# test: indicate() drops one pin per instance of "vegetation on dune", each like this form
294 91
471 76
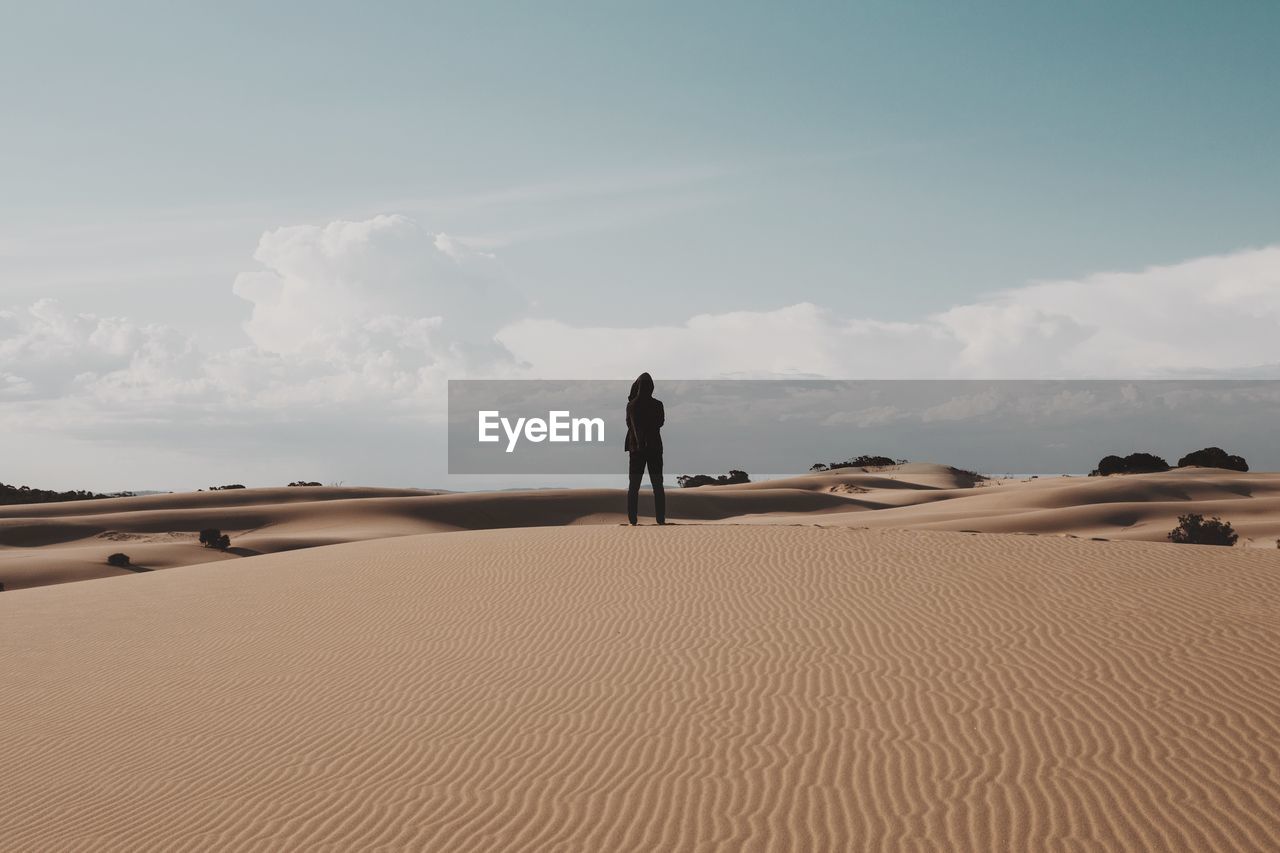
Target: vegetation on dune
1193 529
212 537
863 461
304 483
27 495
120 561
689 481
869 461
1134 463
1149 463
225 488
1213 457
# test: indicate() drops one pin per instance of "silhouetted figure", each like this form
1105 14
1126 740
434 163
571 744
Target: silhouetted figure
645 417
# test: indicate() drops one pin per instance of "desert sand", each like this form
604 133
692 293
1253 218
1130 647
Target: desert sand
59 542
823 663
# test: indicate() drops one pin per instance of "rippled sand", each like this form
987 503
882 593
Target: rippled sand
695 687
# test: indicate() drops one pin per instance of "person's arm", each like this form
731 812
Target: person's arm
662 414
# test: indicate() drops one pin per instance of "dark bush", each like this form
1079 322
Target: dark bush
866 461
1109 465
27 495
1214 457
863 461
303 483
120 561
1145 463
224 488
689 481
971 476
1192 529
1134 463
212 537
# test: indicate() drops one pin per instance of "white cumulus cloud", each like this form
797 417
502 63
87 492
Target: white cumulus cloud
369 319
1213 316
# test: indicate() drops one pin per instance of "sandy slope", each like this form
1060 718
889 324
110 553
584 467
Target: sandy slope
695 687
53 543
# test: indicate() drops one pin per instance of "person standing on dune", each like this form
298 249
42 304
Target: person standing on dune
645 417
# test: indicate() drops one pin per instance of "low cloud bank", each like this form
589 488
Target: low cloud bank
376 315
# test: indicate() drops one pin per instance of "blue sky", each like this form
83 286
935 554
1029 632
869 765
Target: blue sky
628 165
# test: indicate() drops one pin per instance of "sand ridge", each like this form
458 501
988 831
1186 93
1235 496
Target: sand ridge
55 543
695 687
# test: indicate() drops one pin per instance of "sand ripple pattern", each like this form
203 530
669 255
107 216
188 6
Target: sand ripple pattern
688 688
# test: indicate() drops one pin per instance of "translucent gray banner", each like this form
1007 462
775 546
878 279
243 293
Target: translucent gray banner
774 427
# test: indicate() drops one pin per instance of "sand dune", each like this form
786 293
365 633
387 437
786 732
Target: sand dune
54 548
1135 507
690 688
55 543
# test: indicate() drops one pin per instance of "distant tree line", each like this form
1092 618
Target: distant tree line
864 461
690 481
1149 463
27 495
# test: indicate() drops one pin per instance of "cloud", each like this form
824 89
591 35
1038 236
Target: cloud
802 340
863 418
352 322
346 286
378 313
1210 315
1213 316
50 352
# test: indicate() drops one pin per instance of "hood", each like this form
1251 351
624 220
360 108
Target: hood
642 387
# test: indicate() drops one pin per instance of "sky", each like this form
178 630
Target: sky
251 242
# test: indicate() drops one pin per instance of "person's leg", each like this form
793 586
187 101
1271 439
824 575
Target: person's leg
635 473
659 494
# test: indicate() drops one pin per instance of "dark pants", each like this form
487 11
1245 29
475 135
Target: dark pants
653 460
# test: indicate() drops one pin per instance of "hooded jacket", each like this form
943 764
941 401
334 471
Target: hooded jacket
645 417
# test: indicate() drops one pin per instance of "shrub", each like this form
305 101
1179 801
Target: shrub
224 488
1134 463
27 495
1108 465
120 561
866 461
1214 457
303 483
212 537
863 461
1192 529
1145 463
689 481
